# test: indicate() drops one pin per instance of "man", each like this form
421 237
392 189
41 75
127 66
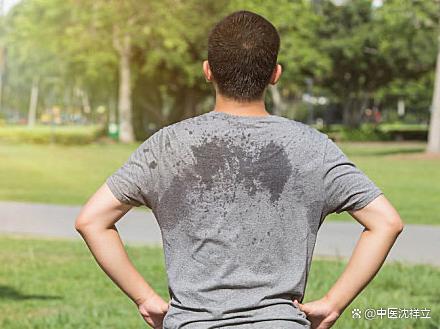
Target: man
239 195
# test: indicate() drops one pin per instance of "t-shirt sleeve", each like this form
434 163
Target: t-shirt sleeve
346 187
135 181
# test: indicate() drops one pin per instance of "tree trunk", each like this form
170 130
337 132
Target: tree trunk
2 73
85 102
434 126
353 109
189 109
32 114
348 115
126 132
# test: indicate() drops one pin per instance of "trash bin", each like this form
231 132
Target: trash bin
113 131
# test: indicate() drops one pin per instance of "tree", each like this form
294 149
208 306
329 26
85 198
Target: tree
122 23
300 55
370 47
170 86
434 126
143 58
33 53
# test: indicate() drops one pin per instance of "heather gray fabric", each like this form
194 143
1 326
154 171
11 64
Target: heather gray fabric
239 201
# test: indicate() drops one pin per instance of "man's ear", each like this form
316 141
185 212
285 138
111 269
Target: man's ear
207 71
276 74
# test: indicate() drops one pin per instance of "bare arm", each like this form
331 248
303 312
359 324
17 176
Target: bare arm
96 224
382 226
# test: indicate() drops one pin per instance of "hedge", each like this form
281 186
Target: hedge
381 132
42 134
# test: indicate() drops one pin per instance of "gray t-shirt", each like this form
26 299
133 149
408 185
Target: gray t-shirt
239 201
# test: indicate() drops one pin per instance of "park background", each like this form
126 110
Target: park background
83 82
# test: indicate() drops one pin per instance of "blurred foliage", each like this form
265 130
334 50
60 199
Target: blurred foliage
377 132
374 51
357 55
366 132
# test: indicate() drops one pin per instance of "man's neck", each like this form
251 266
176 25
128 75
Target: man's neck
255 108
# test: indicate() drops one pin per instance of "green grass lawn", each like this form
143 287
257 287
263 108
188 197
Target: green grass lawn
70 174
60 174
410 180
54 283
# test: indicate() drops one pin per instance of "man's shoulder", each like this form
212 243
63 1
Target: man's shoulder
172 131
306 131
185 123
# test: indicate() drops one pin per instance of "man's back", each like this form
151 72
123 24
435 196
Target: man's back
239 196
239 201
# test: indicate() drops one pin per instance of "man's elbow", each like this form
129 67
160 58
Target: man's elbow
393 224
82 223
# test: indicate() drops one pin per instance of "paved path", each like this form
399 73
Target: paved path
416 244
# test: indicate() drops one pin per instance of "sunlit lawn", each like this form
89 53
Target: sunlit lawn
410 180
70 174
54 284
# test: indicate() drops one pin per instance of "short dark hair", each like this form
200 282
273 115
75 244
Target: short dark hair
242 54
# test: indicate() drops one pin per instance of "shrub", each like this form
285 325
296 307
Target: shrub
399 131
66 135
381 132
365 132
